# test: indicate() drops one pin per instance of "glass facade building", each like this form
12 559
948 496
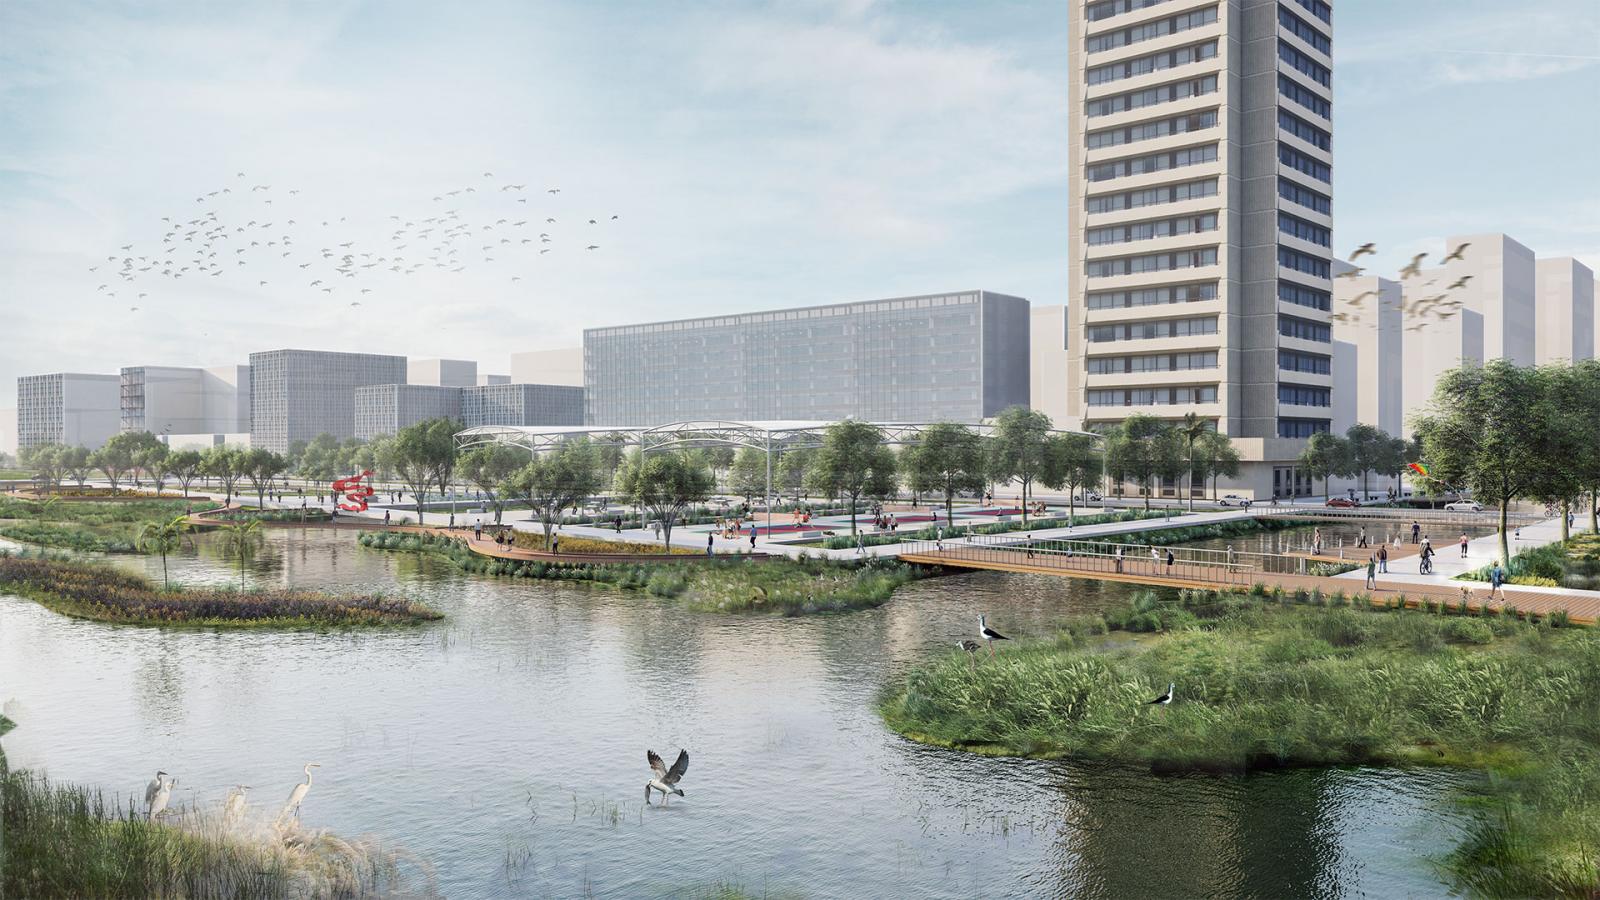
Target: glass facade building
959 357
296 395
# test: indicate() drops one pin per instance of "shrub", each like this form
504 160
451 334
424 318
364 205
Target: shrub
1468 631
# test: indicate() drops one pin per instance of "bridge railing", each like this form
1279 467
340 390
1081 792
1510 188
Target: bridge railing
1487 518
1220 567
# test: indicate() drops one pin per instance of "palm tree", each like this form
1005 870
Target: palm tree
1193 428
163 538
242 539
42 508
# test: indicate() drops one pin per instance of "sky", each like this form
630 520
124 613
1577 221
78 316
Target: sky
754 156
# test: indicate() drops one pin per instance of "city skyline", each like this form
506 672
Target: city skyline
717 199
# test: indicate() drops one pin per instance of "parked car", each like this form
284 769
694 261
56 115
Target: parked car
1464 506
1233 500
1342 503
1093 497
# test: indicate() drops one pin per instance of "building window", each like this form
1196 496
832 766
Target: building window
1160 396
1167 193
1304 196
1155 262
1144 231
1304 64
1155 162
1297 395
1146 331
1300 295
1155 62
1304 96
1305 231
1304 164
1182 293
1304 130
1301 262
1319 9
1304 329
1301 428
1143 131
1164 93
1158 362
1122 37
1309 363
1304 30
1109 8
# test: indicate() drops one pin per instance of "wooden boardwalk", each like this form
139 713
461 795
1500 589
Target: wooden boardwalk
1141 569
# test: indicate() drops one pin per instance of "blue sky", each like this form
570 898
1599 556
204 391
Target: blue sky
756 156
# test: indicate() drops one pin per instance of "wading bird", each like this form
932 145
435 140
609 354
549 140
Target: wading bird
158 793
972 652
233 809
988 634
298 794
665 780
1164 699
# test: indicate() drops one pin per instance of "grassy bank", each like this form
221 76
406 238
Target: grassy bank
535 541
102 593
776 586
87 526
1574 563
1264 682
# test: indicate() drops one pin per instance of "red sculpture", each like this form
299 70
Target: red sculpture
356 490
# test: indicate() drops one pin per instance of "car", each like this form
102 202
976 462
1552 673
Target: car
1464 506
1092 497
1233 500
1342 503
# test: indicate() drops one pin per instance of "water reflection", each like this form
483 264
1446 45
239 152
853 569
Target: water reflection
506 745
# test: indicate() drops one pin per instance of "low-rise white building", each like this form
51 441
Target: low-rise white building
1047 363
1368 377
1564 297
185 399
442 372
563 366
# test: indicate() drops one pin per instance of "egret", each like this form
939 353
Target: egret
665 780
298 794
233 809
158 793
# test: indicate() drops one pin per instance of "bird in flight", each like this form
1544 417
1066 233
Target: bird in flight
665 780
1414 267
553 191
355 303
1366 249
1457 252
592 247
1353 273
1460 282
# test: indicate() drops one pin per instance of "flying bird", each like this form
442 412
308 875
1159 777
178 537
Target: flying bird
592 247
1457 252
553 191
665 780
1366 249
1414 267
1460 282
988 634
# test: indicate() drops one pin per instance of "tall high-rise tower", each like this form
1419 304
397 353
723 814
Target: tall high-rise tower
1201 221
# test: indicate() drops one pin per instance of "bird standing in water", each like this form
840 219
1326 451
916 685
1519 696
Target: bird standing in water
298 794
157 793
665 780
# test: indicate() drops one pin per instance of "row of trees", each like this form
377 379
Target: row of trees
1508 432
1142 449
139 456
1359 452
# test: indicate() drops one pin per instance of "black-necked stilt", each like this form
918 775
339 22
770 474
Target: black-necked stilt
1164 699
988 634
665 780
972 652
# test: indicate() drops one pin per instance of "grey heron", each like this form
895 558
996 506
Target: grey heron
665 780
157 793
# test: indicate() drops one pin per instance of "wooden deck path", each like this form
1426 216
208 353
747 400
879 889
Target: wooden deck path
1138 569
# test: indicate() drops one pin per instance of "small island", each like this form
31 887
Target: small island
104 594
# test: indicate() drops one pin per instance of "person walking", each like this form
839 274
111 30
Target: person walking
656 527
1171 558
1416 531
477 531
1463 545
710 537
619 524
1316 542
752 537
1232 556
1372 572
1497 580
1361 539
555 543
1119 559
1383 559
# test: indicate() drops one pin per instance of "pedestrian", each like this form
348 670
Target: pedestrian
1383 559
1232 556
752 536
452 521
555 543
1497 578
1316 542
1416 531
386 518
861 544
1029 545
477 531
1171 558
1361 539
1372 572
1463 545
1155 558
656 527
619 524
1119 559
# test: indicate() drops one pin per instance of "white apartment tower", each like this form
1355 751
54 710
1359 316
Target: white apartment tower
1201 224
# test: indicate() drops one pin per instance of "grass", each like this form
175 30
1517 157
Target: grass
92 591
66 538
1574 563
1265 682
86 526
531 541
731 584
61 840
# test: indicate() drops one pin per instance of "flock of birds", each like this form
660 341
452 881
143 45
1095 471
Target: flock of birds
158 795
1437 306
242 235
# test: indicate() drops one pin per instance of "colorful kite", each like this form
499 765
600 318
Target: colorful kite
1420 469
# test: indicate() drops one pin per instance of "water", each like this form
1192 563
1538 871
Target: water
505 746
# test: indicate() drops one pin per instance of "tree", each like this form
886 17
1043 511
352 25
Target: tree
664 483
184 465
442 457
116 457
1326 455
1018 448
241 539
1566 439
747 475
1582 389
852 463
790 472
947 460
144 447
163 538
260 466
410 456
319 460
1119 452
1369 446
151 459
47 462
1486 432
223 463
1139 453
1072 462
487 468
557 479
1219 457
76 462
720 459
1193 428
1171 453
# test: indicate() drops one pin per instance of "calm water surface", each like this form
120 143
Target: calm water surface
505 746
